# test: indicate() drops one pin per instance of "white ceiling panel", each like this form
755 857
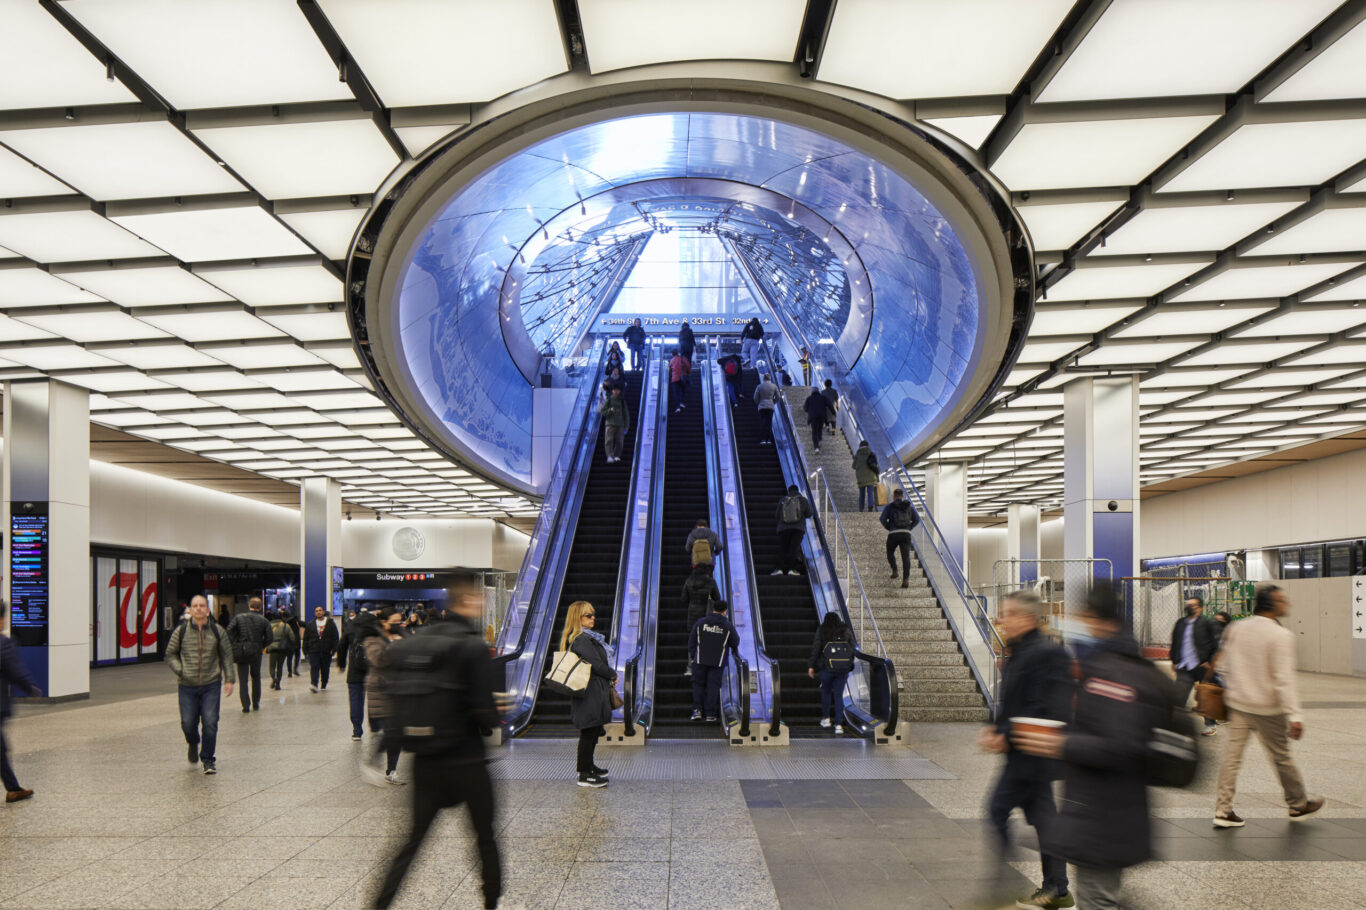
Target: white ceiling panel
1334 230
57 357
1255 353
1344 352
275 285
971 130
421 52
1306 321
300 160
216 53
330 231
1290 379
43 66
1335 72
305 380
1095 280
259 354
1192 378
1299 153
210 325
18 178
69 237
25 287
1093 153
1079 318
867 45
1155 48
123 160
1352 289
1261 280
1174 319
1192 228
160 356
622 33
145 286
17 330
113 382
1121 353
104 325
417 139
1057 227
242 232
205 380
311 326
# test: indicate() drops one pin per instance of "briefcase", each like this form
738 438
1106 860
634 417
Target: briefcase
1209 701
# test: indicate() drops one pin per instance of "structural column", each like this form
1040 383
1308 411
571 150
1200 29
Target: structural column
47 532
1022 543
946 493
1100 478
320 543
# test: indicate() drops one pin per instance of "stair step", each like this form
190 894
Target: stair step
951 659
919 699
946 715
911 622
918 648
913 635
911 688
910 671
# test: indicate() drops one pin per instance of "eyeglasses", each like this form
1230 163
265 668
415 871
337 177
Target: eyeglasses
589 615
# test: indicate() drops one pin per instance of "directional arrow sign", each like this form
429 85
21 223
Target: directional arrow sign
1356 611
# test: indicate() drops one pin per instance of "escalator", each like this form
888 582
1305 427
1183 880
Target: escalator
787 607
592 569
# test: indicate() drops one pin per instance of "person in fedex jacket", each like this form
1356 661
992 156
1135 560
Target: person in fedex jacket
712 638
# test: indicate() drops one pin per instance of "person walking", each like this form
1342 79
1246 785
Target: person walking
699 592
457 771
13 674
615 359
1193 643
615 416
292 661
375 649
686 345
899 518
634 336
817 416
283 642
832 658
766 397
703 555
320 643
832 399
1036 683
711 640
1257 662
733 373
793 511
750 339
250 636
868 475
351 658
200 656
679 368
1103 825
590 709
804 362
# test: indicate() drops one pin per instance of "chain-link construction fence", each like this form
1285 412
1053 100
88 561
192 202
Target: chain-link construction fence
1051 579
1155 602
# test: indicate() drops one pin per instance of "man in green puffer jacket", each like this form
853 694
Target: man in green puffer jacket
200 656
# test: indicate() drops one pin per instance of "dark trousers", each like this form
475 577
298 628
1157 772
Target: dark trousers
869 493
251 667
733 389
277 667
293 662
900 541
6 771
199 708
439 783
832 694
675 395
1185 681
766 424
817 429
588 742
637 355
706 689
1035 797
391 751
319 667
790 550
356 693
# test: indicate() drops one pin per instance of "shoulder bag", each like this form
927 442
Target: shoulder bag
569 674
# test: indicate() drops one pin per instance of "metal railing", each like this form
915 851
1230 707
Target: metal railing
843 555
639 671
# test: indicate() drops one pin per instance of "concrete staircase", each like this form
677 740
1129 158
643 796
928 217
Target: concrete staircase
936 683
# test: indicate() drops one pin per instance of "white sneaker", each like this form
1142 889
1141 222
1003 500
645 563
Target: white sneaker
393 778
776 572
371 775
839 729
825 721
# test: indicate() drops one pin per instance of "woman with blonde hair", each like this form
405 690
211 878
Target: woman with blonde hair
591 708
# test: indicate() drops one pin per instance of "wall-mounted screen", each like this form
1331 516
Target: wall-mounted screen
28 574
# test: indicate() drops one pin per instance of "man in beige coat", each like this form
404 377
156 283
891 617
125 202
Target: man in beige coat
1257 660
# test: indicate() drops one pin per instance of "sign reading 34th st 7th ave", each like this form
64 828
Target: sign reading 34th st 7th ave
1357 608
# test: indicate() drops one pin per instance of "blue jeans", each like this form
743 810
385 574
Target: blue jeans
869 492
637 355
832 694
733 389
356 691
6 771
199 705
706 689
1035 796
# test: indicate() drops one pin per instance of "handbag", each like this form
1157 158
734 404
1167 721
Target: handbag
616 699
569 674
1209 701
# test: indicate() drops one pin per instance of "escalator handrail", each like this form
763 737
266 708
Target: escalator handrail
760 648
827 498
893 688
649 584
716 510
623 555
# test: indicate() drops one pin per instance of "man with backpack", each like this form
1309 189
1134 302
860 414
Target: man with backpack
793 511
250 636
703 545
710 642
699 591
733 373
351 658
283 642
199 655
831 661
868 474
818 414
635 343
750 339
1122 704
766 397
440 686
900 518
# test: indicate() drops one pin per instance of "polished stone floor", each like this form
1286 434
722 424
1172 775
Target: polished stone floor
120 821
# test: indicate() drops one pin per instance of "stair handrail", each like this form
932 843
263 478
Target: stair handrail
853 581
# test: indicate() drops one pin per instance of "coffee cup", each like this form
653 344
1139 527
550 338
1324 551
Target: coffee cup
1036 725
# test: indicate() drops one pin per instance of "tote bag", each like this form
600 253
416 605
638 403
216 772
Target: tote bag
569 674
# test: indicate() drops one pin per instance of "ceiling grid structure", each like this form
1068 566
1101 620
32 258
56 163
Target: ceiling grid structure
180 184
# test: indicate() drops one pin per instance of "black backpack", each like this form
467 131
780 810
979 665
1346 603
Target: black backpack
792 509
871 462
422 682
355 657
839 655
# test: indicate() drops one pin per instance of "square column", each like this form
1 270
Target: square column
47 532
946 493
319 544
1100 477
1022 543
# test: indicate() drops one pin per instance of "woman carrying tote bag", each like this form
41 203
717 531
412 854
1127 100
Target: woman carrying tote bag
592 708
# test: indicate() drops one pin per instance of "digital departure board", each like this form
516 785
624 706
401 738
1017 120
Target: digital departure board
28 574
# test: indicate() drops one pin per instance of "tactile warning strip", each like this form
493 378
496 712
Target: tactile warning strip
544 759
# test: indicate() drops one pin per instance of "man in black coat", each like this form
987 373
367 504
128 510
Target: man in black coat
1036 684
635 342
320 643
12 673
818 414
1194 641
250 635
1103 826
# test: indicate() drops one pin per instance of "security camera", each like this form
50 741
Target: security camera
1112 506
27 507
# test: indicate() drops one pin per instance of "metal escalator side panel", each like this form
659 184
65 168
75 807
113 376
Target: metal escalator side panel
648 644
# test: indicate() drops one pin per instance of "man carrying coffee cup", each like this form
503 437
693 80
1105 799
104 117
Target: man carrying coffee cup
1036 687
